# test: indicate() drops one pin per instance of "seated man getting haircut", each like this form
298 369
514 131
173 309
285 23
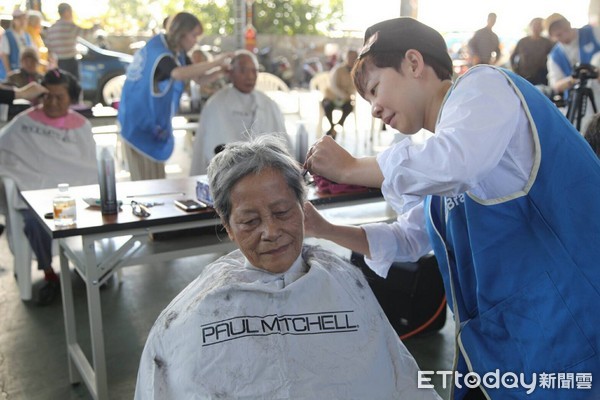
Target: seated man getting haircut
235 112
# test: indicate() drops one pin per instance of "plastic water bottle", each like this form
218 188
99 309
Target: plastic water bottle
106 180
65 210
195 97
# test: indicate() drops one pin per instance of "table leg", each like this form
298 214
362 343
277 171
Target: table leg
69 313
95 314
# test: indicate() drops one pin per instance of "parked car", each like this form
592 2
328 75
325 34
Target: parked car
101 72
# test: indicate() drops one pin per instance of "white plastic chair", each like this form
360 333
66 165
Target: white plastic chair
17 242
267 82
274 87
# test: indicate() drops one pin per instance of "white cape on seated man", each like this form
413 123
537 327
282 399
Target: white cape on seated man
235 113
276 319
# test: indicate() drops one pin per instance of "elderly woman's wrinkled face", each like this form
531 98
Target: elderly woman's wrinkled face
267 221
57 101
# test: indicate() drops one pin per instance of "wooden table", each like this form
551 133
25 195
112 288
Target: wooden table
99 245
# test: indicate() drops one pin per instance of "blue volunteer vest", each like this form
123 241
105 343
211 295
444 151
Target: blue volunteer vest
15 52
145 113
522 273
588 46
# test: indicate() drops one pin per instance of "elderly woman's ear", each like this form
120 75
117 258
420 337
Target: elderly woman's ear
314 223
228 230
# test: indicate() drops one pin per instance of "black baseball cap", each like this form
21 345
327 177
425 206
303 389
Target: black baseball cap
405 33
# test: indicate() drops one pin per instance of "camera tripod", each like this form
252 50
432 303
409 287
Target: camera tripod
578 100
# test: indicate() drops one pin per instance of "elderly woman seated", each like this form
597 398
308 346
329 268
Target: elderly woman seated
276 318
41 147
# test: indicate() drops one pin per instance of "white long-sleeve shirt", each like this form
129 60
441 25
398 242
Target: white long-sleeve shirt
483 144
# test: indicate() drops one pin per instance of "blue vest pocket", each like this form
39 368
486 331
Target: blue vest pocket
536 331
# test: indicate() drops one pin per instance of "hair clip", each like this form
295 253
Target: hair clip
367 46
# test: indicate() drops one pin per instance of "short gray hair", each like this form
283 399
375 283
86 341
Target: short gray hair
241 53
239 159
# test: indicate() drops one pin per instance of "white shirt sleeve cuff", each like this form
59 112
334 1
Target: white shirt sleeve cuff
388 160
382 246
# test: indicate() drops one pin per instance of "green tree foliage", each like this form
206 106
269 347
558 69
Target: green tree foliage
293 17
217 16
284 17
128 16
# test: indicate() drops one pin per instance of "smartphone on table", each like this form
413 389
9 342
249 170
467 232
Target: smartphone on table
190 204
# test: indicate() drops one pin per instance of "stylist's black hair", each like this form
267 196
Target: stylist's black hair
387 42
61 77
592 134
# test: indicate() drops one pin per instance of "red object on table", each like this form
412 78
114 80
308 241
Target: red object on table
324 185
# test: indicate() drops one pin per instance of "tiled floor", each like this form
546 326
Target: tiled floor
33 355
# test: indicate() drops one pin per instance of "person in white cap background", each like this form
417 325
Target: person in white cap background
34 28
505 193
13 41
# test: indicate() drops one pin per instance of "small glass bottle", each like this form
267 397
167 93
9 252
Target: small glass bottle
65 211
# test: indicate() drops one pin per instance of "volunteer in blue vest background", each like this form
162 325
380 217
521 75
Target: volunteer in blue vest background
572 46
12 42
151 94
506 194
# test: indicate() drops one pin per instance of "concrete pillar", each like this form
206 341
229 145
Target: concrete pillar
594 12
239 27
409 8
